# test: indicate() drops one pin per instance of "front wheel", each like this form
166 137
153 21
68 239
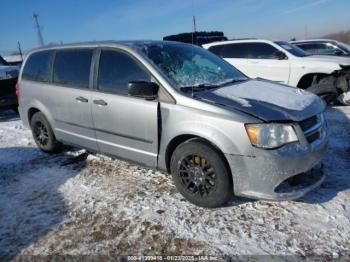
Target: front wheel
344 98
329 98
200 174
327 92
43 134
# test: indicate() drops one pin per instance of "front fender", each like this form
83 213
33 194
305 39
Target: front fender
299 70
227 134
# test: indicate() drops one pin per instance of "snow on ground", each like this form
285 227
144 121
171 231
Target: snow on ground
109 207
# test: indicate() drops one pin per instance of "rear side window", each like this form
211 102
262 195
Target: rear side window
116 70
37 67
72 67
246 50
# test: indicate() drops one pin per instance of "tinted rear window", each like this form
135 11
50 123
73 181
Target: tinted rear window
72 67
216 49
245 50
37 67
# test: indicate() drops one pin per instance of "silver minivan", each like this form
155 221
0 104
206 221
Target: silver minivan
178 108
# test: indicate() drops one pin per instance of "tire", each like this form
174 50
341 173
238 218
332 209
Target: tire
200 174
344 98
326 92
43 134
329 98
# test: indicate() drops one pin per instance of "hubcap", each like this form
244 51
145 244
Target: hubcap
41 134
197 175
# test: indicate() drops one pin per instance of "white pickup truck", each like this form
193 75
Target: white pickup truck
280 61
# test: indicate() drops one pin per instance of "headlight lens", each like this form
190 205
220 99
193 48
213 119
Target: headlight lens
270 135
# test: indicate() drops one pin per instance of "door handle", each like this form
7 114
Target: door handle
100 102
82 99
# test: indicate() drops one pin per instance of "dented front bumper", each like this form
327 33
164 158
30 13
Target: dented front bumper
286 173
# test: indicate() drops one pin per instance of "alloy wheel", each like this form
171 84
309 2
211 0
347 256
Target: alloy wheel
197 175
41 134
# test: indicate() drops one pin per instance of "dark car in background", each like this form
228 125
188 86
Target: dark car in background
323 47
8 80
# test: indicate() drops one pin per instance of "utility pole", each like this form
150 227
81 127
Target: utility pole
194 29
194 24
38 28
20 49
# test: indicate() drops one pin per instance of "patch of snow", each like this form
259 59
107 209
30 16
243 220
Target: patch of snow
267 92
105 207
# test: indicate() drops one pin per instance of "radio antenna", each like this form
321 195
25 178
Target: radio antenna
193 35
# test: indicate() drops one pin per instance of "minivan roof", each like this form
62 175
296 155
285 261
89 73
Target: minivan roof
124 43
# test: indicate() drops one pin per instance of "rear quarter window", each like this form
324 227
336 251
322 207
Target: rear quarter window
37 67
216 49
72 67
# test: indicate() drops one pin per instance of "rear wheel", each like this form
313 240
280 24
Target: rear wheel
200 174
43 134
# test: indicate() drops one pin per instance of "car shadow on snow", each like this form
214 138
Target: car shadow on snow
31 202
336 161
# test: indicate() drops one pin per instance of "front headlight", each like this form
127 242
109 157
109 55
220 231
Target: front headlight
270 135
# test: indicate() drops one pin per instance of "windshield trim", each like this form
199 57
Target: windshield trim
3 62
293 47
140 49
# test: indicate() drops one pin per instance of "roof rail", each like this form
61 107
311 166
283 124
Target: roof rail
247 38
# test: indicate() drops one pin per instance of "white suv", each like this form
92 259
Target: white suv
326 76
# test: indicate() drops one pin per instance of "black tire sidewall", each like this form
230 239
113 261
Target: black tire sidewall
52 145
224 188
329 93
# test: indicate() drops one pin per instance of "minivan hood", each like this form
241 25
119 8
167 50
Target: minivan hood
265 100
342 60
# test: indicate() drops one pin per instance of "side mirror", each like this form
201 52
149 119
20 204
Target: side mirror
338 52
280 55
148 90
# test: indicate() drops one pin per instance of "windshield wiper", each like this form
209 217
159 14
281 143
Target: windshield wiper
199 87
202 87
233 81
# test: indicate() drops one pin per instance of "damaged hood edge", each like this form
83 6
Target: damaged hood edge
265 100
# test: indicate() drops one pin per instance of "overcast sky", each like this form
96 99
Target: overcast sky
85 20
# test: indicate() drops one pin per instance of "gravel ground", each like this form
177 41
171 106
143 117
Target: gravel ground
100 206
